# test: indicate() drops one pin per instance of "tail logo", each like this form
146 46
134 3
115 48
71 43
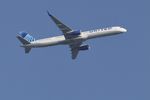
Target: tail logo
27 36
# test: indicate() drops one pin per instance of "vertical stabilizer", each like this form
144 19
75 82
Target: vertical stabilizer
25 39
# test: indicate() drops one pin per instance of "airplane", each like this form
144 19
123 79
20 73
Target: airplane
73 38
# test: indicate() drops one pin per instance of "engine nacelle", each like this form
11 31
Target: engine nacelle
75 33
84 47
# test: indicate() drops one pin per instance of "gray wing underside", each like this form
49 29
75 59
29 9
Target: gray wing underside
74 49
64 28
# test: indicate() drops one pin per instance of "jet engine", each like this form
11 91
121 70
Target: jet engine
75 33
84 47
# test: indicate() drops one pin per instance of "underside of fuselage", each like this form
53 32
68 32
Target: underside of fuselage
59 40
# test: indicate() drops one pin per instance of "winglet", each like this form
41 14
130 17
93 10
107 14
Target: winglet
52 17
49 13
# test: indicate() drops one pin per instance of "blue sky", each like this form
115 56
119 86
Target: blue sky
116 67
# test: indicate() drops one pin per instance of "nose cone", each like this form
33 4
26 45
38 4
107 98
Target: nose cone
124 30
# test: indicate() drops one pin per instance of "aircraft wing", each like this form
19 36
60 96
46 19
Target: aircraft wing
74 49
65 29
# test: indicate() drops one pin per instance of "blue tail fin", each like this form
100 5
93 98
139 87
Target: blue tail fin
26 37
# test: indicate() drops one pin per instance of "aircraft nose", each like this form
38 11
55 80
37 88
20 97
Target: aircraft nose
124 30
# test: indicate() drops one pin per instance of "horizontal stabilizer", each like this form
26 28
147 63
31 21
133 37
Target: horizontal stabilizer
27 49
22 40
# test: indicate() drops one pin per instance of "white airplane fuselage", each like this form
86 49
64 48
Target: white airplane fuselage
60 40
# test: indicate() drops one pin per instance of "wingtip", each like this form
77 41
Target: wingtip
48 13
